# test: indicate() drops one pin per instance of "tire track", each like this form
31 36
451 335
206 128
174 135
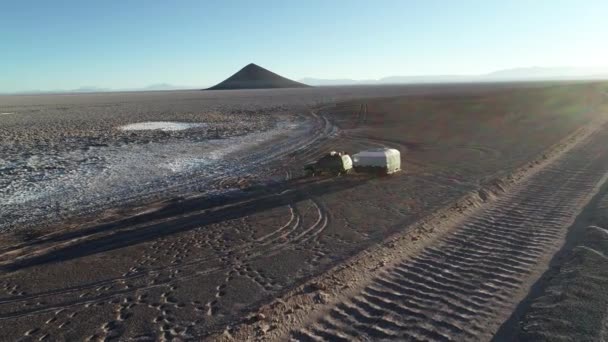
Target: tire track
315 128
322 128
462 288
236 260
290 234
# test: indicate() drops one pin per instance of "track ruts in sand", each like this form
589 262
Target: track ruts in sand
131 288
465 285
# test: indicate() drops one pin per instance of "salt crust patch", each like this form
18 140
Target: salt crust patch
165 126
97 175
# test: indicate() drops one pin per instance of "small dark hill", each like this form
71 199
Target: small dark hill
255 77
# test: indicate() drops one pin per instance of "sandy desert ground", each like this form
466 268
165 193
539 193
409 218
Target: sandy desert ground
211 232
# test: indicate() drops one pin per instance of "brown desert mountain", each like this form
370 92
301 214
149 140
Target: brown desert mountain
254 76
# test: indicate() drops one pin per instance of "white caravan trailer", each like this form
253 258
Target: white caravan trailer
385 160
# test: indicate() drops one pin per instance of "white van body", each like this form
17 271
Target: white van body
388 159
348 163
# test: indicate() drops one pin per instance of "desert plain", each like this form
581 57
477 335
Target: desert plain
185 215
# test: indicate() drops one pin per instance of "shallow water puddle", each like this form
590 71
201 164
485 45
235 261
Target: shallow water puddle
160 125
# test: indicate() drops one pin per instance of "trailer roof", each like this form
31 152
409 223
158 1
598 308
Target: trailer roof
378 152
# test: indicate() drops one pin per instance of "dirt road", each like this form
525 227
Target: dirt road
466 286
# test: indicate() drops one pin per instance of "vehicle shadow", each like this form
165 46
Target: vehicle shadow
183 216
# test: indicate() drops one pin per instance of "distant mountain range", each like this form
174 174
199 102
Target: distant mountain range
165 86
93 89
517 74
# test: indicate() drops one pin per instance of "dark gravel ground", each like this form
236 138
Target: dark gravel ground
188 266
64 155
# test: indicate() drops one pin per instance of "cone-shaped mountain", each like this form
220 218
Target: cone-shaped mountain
254 76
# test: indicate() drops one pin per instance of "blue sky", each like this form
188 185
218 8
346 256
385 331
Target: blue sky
128 43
